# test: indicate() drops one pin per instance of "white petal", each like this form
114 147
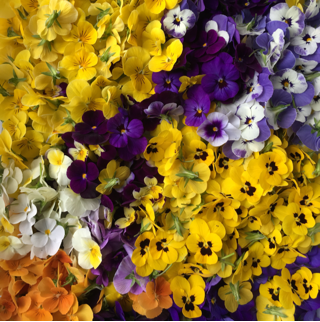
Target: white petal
57 233
39 239
45 224
211 25
52 246
84 260
251 132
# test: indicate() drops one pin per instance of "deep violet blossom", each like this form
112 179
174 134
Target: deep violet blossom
221 76
167 81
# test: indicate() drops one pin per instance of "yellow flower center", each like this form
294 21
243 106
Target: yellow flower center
250 121
94 127
123 131
84 176
204 45
177 19
215 129
25 209
47 232
168 81
199 111
309 39
286 84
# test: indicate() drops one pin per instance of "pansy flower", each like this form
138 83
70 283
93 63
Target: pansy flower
93 129
307 42
293 17
250 114
220 79
290 81
207 45
127 136
196 106
188 294
217 129
167 81
177 22
82 177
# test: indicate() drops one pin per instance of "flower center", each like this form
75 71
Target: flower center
177 19
25 209
168 81
94 127
286 84
47 232
84 176
204 45
215 129
123 131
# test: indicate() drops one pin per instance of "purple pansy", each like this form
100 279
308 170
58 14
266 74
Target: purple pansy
220 79
196 106
82 178
127 136
217 130
167 81
127 280
93 130
207 45
167 111
246 62
177 22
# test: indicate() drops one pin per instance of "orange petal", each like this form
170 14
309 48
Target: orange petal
45 287
51 304
5 278
65 303
151 314
24 303
38 314
165 302
162 286
147 302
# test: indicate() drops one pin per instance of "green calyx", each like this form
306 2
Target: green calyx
52 19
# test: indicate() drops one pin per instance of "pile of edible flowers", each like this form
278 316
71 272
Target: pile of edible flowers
159 160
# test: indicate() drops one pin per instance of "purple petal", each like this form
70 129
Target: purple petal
118 140
78 185
92 171
76 170
134 129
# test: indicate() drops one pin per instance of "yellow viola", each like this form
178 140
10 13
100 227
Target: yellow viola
171 52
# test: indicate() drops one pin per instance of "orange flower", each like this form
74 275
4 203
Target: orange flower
55 263
28 269
36 312
76 313
156 298
56 298
7 307
5 278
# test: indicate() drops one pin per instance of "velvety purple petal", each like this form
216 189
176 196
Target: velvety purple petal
90 192
227 151
110 152
159 77
76 170
281 97
92 171
154 108
118 140
306 97
103 127
115 122
137 146
287 117
214 48
308 138
125 154
134 129
264 131
106 201
287 61
266 84
83 128
78 185
93 118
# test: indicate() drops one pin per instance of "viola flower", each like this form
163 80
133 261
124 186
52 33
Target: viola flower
113 177
11 246
205 241
89 251
127 280
126 136
207 45
250 114
188 294
156 298
290 81
217 129
259 88
93 130
81 177
168 111
56 298
295 220
167 81
220 79
176 22
48 238
307 42
293 17
234 295
246 62
79 152
196 106
58 167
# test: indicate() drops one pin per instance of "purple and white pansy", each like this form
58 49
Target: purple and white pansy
177 22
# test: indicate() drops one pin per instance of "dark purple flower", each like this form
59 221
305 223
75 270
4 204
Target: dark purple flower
126 136
207 45
93 130
82 176
220 79
167 81
246 62
196 106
